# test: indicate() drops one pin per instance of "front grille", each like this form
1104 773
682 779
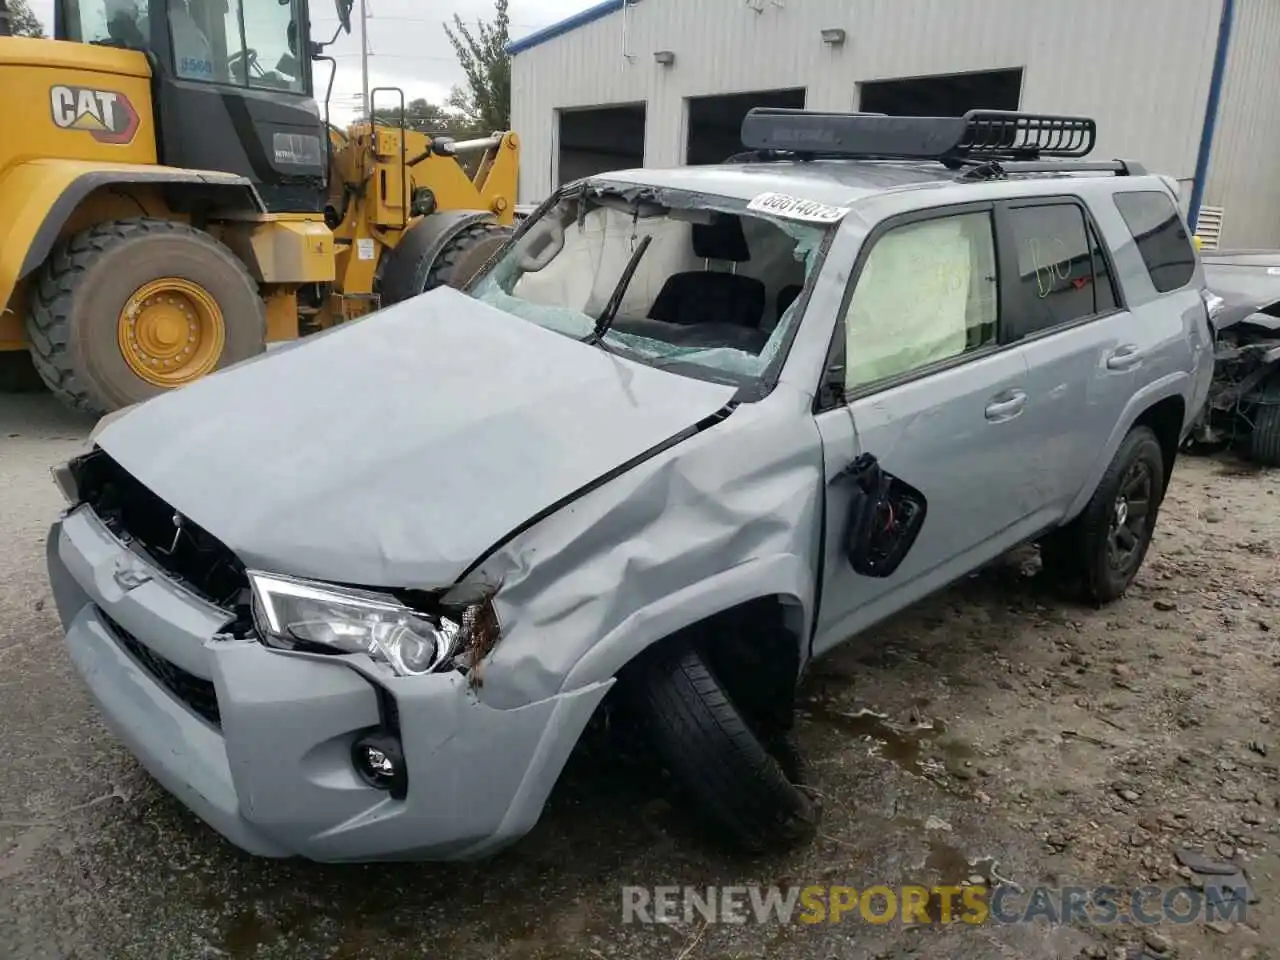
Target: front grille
196 692
136 515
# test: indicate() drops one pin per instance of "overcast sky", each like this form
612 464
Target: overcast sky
409 47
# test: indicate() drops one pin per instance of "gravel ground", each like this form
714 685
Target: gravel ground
992 734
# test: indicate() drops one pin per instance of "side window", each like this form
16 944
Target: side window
927 292
1162 240
118 22
271 34
1056 253
242 42
194 35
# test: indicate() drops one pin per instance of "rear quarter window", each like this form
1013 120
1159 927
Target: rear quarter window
1162 239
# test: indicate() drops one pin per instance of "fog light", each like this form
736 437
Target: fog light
379 759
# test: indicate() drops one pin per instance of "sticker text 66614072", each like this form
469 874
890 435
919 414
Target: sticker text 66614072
796 208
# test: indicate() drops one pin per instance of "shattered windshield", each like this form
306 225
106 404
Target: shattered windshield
713 292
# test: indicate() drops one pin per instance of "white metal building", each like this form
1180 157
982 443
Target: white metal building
1190 88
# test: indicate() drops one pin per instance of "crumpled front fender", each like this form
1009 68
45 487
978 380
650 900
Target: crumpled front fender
728 515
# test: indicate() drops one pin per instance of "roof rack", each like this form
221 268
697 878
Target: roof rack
985 143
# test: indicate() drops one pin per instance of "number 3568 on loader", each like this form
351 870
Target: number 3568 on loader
172 198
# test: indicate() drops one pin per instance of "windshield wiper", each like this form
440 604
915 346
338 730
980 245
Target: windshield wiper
611 307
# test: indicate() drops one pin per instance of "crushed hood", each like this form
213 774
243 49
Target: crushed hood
1249 282
393 451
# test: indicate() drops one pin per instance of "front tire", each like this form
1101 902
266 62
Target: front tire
131 308
1100 552
1264 444
743 789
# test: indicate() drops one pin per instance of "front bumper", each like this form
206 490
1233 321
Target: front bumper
257 742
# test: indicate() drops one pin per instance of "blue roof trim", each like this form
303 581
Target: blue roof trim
590 15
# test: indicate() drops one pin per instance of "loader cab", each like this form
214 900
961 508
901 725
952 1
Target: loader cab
232 86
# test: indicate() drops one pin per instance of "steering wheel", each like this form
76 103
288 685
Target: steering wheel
249 58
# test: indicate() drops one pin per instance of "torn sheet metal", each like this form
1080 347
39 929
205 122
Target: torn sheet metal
608 502
1246 323
693 530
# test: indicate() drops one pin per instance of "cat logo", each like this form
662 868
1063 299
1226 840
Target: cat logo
105 115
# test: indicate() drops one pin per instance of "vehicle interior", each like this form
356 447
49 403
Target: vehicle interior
708 279
242 42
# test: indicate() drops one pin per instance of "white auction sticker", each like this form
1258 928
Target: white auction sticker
796 208
364 249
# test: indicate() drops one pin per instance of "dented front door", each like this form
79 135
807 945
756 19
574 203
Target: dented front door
919 380
948 437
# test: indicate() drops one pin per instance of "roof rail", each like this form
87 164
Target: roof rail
977 137
995 170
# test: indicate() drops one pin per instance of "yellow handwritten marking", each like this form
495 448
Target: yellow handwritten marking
1048 271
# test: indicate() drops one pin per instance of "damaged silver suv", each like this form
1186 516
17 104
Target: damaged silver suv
359 598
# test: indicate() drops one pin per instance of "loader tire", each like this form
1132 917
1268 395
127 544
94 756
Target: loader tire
18 373
740 787
1264 444
464 255
110 307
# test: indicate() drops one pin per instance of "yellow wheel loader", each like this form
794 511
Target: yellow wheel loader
172 198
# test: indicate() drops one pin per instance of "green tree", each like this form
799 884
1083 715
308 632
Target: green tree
421 114
486 99
22 22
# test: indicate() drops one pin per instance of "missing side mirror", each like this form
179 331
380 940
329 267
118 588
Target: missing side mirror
885 518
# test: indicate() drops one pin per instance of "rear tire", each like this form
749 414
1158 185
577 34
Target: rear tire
1100 552
1264 444
81 292
706 743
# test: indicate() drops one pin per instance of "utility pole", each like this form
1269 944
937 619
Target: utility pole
364 60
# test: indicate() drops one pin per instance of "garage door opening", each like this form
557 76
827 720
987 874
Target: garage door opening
599 139
948 95
715 123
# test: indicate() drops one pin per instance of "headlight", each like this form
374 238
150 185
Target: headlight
290 612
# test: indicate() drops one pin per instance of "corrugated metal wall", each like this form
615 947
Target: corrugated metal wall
1141 67
1244 168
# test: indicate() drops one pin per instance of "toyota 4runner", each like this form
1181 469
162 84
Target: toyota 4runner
688 430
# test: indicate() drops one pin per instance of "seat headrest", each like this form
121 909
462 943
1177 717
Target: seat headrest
721 239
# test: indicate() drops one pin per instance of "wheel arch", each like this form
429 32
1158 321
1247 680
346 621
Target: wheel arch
772 594
45 195
1162 406
1165 417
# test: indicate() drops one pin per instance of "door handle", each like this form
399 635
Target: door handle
1006 406
1124 358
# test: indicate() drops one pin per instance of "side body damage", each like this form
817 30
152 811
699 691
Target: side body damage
662 547
1243 408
